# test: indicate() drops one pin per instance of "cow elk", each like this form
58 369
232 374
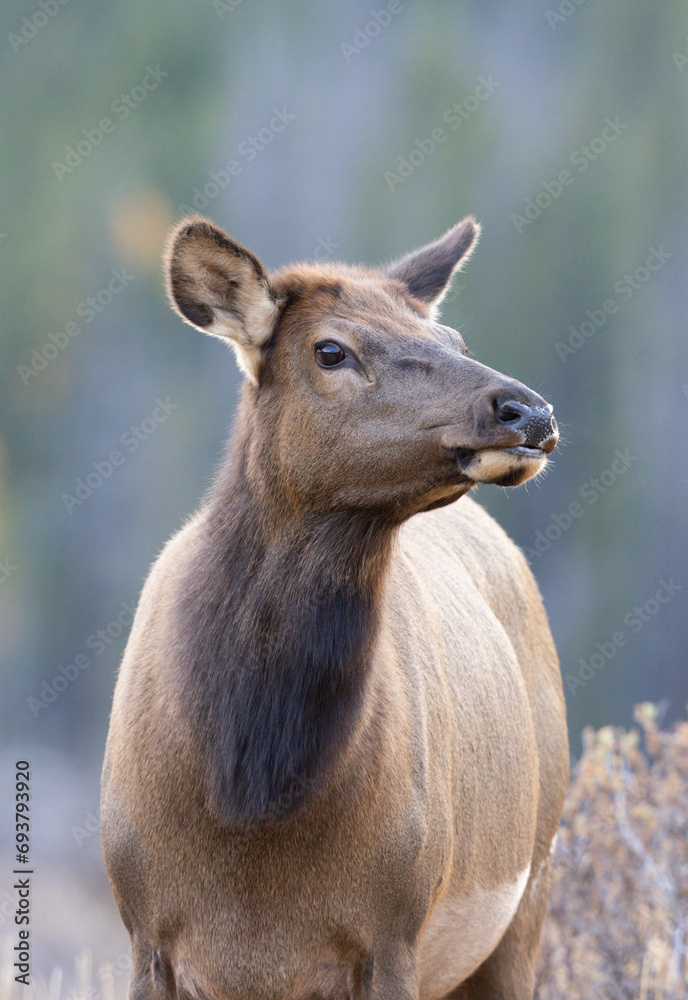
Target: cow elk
337 756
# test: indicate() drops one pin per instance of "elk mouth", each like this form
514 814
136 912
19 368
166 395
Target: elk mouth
527 450
516 449
503 466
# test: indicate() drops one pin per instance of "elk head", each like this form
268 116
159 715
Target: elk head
356 396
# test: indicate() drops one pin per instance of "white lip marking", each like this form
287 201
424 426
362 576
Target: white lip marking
494 463
463 931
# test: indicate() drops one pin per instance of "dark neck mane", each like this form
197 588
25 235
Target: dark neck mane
277 617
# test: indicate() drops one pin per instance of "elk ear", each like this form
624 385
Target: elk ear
218 286
427 272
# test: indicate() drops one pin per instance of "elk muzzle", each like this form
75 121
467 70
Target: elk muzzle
536 423
518 431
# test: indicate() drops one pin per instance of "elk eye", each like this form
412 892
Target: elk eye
328 354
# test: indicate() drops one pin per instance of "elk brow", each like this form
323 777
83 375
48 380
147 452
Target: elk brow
423 363
450 338
434 352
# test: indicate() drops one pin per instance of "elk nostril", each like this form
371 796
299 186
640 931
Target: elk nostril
511 412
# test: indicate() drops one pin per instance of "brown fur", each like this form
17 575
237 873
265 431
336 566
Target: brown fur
337 755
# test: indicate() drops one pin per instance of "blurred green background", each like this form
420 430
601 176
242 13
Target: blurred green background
356 132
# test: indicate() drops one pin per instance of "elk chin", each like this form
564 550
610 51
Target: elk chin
501 466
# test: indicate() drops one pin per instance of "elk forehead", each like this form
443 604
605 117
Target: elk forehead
436 344
356 293
374 315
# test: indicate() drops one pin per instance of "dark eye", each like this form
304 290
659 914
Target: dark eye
328 354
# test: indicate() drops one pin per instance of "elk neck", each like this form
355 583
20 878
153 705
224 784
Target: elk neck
277 618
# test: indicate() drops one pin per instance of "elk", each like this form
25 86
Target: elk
337 755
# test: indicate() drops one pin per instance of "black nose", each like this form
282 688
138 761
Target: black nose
536 423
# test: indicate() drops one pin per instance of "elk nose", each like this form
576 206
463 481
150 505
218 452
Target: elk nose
536 423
